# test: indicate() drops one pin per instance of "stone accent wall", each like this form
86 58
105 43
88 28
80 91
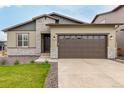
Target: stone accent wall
21 52
111 53
54 53
41 28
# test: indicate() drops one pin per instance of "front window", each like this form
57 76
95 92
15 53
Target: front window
22 40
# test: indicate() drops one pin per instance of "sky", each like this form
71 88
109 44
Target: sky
11 15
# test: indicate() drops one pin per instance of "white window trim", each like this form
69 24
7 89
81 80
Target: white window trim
23 34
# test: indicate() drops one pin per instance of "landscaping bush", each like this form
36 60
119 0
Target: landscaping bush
16 62
46 61
32 61
3 62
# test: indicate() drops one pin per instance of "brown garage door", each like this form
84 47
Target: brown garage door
82 46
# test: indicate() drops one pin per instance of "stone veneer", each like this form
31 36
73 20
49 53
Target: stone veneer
112 53
54 53
21 52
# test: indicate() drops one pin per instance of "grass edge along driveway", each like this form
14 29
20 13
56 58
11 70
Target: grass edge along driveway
23 75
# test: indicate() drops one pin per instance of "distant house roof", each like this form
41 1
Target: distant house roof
115 9
44 15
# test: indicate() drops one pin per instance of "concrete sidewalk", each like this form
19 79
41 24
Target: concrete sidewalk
86 73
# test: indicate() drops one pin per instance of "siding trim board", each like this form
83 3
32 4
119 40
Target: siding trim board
23 30
82 33
20 47
23 56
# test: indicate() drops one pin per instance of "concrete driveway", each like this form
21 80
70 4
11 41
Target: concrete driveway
76 73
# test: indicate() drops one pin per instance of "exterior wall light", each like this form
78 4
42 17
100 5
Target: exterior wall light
111 37
54 37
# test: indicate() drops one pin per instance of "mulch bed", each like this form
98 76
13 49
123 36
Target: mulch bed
22 60
52 78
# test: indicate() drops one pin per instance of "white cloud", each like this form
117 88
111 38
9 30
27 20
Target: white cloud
3 6
3 36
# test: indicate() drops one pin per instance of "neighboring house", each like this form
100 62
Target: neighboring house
61 37
114 16
2 45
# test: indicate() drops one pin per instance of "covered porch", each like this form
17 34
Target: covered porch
45 49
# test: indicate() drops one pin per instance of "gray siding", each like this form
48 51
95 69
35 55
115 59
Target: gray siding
27 27
120 40
114 17
100 19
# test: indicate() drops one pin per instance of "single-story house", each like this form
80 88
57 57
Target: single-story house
61 37
113 17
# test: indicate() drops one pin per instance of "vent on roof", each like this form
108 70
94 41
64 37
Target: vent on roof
57 21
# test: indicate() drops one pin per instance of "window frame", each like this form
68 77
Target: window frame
23 40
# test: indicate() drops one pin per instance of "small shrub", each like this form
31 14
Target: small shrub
32 61
3 62
16 62
46 61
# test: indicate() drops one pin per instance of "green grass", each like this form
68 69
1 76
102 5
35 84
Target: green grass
23 75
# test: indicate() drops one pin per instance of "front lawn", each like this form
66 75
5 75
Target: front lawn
23 75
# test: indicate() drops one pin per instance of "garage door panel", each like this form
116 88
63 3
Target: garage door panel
82 46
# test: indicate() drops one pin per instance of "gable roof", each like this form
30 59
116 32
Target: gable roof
26 22
44 15
115 9
17 25
67 17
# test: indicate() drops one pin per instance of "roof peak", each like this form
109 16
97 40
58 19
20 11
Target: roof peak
68 17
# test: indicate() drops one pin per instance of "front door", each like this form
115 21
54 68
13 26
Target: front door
46 43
